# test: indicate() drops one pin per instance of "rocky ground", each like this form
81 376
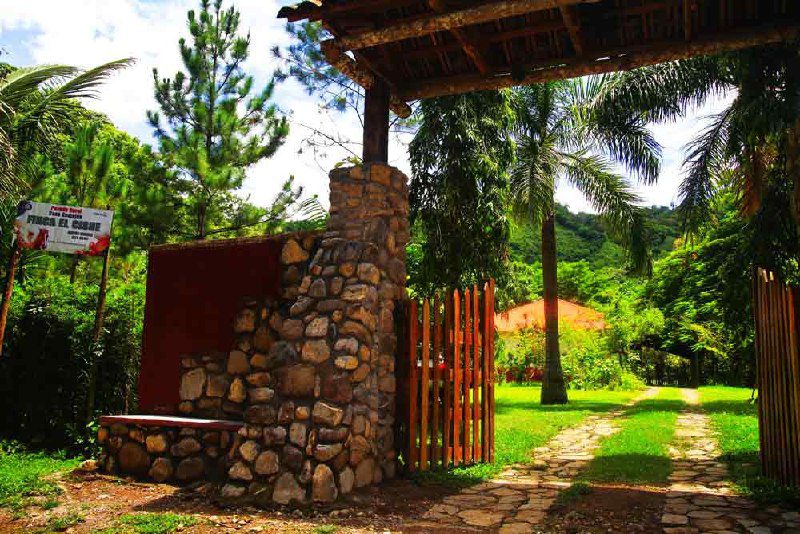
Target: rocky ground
536 498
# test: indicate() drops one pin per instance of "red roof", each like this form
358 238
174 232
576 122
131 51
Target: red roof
531 315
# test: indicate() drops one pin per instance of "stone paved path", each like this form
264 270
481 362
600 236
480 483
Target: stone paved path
700 497
519 497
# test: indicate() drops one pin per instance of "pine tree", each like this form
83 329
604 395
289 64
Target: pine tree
214 124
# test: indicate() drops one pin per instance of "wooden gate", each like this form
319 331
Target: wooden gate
449 374
778 365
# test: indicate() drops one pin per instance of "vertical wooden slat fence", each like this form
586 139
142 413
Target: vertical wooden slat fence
450 401
778 367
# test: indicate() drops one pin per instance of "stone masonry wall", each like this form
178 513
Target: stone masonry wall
165 454
210 386
319 419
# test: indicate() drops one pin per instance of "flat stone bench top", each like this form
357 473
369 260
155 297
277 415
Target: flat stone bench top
172 421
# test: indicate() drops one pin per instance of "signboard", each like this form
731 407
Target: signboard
81 231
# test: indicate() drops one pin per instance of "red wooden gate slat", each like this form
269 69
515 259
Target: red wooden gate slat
425 386
450 405
437 377
447 409
457 449
467 374
476 358
413 333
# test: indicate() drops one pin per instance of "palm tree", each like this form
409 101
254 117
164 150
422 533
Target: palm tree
35 104
563 134
758 132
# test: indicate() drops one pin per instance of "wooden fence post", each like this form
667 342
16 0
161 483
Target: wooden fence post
425 386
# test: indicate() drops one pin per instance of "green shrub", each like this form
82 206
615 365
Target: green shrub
585 357
586 361
47 355
519 357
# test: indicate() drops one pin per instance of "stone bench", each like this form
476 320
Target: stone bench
167 448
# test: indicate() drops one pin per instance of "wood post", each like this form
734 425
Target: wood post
13 261
376 123
778 377
99 318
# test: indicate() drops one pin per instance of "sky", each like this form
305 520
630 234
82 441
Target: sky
87 33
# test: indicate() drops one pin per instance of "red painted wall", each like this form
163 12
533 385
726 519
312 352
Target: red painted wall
193 293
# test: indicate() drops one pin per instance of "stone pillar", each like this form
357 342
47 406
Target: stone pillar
324 423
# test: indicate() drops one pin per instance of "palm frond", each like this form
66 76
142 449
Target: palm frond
21 83
36 103
666 91
53 107
531 180
618 205
706 156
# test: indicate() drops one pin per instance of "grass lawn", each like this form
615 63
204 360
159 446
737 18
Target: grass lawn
639 452
522 424
25 475
735 422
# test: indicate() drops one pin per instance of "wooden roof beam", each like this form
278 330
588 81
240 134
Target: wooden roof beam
469 47
573 27
542 27
485 12
362 76
610 61
317 10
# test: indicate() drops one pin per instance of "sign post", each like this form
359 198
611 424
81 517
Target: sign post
55 228
13 261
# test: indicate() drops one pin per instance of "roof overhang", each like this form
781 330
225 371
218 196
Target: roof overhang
429 48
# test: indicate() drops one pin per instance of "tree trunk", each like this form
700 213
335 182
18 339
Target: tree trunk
99 317
694 376
13 261
554 389
201 221
73 268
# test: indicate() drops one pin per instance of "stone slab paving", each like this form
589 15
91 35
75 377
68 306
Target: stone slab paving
700 498
520 496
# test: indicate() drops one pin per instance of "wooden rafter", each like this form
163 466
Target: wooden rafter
467 44
485 12
362 76
573 25
501 37
317 11
614 60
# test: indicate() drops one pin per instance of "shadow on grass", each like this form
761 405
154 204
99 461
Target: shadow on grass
733 407
745 471
628 468
656 405
505 407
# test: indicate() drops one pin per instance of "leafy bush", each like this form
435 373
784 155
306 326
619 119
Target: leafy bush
519 358
587 362
47 356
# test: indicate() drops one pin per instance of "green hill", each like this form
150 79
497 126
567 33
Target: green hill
582 237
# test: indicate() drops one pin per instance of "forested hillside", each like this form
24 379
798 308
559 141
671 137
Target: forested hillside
583 237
